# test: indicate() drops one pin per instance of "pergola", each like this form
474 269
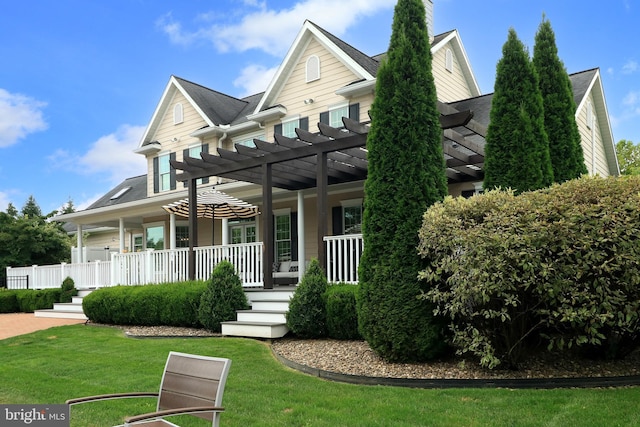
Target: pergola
332 156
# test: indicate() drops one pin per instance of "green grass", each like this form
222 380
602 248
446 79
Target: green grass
72 361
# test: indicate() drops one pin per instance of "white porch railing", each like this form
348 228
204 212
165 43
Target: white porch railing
139 268
343 257
51 276
172 265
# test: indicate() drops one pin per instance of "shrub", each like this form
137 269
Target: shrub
342 317
8 301
167 304
222 298
30 300
68 290
307 316
561 265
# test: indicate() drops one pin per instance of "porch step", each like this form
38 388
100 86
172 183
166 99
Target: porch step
60 314
67 310
254 329
260 316
270 305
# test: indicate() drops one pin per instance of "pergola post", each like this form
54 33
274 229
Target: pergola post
267 226
322 189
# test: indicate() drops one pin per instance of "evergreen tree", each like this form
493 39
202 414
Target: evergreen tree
406 175
31 208
560 124
517 148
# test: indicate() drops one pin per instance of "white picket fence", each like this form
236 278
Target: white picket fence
139 268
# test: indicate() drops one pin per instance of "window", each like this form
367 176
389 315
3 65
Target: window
313 68
283 237
247 140
336 115
195 151
352 216
182 236
448 60
164 171
154 237
178 114
242 231
138 243
289 128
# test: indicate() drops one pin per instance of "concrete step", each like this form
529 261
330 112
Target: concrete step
59 314
68 306
270 305
254 329
278 293
77 300
262 316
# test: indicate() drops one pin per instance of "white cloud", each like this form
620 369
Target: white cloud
20 115
631 99
630 67
111 156
273 31
254 79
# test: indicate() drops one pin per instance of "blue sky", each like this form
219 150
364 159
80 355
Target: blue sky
80 80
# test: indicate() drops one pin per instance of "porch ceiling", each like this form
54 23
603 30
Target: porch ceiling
294 160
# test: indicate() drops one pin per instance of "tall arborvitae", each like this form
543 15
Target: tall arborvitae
406 175
567 157
517 149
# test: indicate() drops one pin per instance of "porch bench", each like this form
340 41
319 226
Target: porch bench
286 273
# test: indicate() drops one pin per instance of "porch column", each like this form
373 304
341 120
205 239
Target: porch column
193 227
225 231
301 251
121 234
79 243
172 231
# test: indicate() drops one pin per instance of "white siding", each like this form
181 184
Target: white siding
450 85
592 141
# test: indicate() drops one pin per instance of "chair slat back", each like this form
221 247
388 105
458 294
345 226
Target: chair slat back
193 380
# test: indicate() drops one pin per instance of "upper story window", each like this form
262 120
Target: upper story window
247 140
194 151
448 60
336 114
178 114
289 128
313 68
164 172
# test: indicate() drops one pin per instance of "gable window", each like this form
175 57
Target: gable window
313 68
448 60
178 114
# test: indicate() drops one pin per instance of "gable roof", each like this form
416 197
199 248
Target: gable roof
131 189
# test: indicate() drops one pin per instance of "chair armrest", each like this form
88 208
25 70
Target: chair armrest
109 397
169 412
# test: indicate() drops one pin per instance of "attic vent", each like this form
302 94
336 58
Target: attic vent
178 115
448 60
313 68
120 193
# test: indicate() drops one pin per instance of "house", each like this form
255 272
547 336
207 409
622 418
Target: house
321 80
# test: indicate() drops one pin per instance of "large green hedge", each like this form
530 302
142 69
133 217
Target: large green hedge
560 265
28 300
170 304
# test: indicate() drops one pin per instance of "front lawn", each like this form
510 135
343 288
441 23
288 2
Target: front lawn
71 361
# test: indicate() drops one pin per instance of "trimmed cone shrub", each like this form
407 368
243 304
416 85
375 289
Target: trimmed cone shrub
342 315
222 298
68 290
307 316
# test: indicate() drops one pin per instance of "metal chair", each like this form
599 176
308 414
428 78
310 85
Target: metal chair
191 384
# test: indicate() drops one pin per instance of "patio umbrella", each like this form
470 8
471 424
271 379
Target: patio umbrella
214 204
